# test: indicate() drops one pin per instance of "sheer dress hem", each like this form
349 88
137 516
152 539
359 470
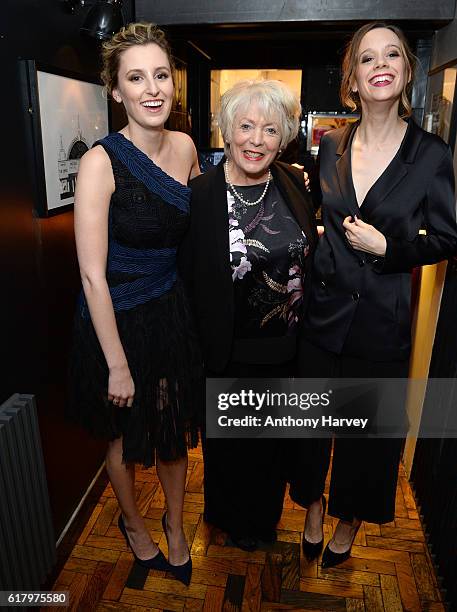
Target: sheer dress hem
161 347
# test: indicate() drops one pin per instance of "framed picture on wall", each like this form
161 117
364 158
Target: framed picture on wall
319 123
68 113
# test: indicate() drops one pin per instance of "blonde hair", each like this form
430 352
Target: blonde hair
274 99
141 33
351 98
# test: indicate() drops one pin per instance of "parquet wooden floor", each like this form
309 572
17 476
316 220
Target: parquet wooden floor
390 568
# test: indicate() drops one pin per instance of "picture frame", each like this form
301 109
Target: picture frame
67 113
320 123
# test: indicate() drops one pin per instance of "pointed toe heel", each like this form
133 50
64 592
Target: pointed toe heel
312 550
158 562
183 572
331 558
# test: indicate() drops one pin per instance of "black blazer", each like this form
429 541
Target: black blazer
204 257
360 304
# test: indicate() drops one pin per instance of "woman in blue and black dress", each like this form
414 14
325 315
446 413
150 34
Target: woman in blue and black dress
135 359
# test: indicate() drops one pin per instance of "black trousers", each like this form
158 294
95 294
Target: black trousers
245 479
364 471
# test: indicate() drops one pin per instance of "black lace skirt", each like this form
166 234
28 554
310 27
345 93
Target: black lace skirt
162 351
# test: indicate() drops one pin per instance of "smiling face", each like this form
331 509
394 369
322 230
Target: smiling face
254 144
381 72
145 85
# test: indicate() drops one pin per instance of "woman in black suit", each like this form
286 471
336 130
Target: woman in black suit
246 263
382 180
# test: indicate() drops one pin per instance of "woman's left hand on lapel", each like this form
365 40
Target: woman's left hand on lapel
364 237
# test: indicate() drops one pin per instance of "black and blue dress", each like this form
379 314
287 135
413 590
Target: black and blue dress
148 215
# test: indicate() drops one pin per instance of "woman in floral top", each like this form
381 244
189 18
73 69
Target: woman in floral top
246 262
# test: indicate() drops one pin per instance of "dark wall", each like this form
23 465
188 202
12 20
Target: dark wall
434 470
40 278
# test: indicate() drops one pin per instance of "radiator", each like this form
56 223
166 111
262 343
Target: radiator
27 542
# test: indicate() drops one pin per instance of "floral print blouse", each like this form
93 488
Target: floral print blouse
267 253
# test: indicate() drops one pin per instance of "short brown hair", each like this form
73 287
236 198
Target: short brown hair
141 33
350 98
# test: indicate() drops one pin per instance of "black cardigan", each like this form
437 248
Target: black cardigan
204 257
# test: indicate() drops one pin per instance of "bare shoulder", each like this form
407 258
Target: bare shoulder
95 169
182 138
95 160
95 165
183 143
185 153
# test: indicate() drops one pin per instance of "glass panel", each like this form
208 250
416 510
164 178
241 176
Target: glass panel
447 101
319 123
441 92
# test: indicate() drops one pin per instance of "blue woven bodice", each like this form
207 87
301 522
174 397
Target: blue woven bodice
147 219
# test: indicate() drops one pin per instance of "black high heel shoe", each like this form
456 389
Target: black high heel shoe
182 572
312 550
158 562
331 558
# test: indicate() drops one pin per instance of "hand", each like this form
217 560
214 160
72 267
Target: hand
364 237
121 388
305 175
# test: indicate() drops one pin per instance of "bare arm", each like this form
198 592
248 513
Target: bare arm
94 188
195 168
188 153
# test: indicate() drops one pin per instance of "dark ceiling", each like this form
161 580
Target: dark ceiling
282 44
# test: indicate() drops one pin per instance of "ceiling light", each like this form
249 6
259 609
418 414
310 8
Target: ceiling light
103 20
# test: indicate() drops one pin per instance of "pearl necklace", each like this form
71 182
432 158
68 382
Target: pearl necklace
240 197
